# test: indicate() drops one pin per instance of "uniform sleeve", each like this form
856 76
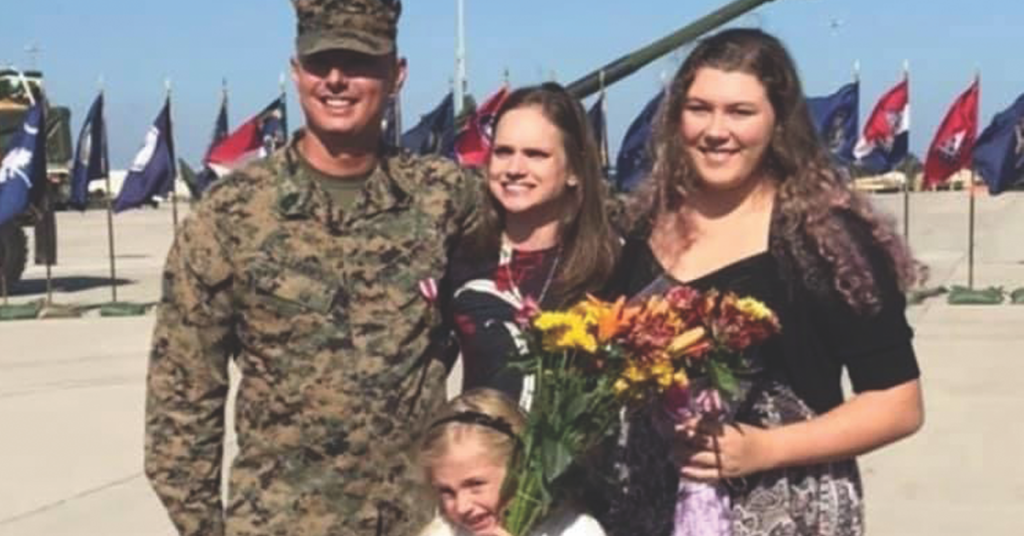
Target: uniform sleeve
466 198
875 347
187 382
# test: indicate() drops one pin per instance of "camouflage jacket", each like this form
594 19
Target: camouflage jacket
321 312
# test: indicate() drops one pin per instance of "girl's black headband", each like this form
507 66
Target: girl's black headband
480 419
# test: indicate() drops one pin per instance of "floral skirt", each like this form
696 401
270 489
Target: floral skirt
820 500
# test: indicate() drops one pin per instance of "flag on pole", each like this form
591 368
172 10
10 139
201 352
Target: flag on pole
634 159
435 133
599 126
835 118
999 152
953 145
886 137
204 178
473 142
24 165
153 170
256 138
91 159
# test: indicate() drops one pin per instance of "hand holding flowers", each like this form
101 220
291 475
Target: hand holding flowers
597 358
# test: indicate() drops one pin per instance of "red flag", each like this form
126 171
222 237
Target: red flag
474 140
953 145
248 142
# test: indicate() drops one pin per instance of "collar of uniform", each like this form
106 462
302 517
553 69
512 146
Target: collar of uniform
299 197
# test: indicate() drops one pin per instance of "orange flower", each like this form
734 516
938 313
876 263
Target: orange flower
615 320
684 343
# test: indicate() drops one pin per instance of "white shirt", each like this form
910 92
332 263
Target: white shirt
562 522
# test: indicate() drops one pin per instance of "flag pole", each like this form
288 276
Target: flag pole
972 210
51 247
110 217
174 176
460 56
605 162
970 234
906 178
46 226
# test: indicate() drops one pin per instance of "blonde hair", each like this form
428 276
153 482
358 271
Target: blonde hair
449 429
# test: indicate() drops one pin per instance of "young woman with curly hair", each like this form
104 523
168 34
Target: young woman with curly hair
743 197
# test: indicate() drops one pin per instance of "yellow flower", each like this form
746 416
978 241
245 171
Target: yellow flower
565 331
680 378
753 308
634 374
620 386
550 320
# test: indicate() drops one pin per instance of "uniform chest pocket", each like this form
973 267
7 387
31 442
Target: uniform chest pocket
295 290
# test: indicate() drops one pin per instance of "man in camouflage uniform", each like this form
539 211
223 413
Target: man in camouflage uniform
303 268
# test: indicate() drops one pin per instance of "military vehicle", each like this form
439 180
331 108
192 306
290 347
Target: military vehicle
15 88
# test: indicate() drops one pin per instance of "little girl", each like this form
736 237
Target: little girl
464 454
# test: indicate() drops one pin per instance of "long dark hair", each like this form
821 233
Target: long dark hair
821 221
589 245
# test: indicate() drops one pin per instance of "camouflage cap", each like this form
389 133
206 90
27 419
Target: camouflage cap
368 26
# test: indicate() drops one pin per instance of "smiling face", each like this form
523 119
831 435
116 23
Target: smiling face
727 124
467 480
343 93
528 172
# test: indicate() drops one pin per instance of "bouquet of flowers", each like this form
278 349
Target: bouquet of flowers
596 358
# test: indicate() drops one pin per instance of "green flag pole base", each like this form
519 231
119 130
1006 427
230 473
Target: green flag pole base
919 295
56 310
124 309
979 296
1017 296
22 311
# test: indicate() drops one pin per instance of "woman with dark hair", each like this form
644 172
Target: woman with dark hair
542 233
743 198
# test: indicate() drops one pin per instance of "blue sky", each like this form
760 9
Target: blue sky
135 46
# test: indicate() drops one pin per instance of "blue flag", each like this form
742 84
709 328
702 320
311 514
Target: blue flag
91 161
599 127
634 160
435 133
24 165
835 118
220 131
152 173
274 126
999 151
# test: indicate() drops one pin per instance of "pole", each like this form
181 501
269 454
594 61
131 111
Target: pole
906 209
110 241
605 162
47 228
174 172
630 63
110 224
906 178
460 57
970 236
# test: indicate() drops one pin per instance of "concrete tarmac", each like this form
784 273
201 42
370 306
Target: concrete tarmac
72 391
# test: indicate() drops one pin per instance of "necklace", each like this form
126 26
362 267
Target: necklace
505 259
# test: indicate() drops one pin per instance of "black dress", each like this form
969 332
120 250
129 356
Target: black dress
486 295
799 379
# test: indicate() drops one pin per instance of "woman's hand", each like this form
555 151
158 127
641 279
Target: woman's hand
712 451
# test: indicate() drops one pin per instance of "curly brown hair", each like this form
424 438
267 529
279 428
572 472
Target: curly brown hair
832 235
589 243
